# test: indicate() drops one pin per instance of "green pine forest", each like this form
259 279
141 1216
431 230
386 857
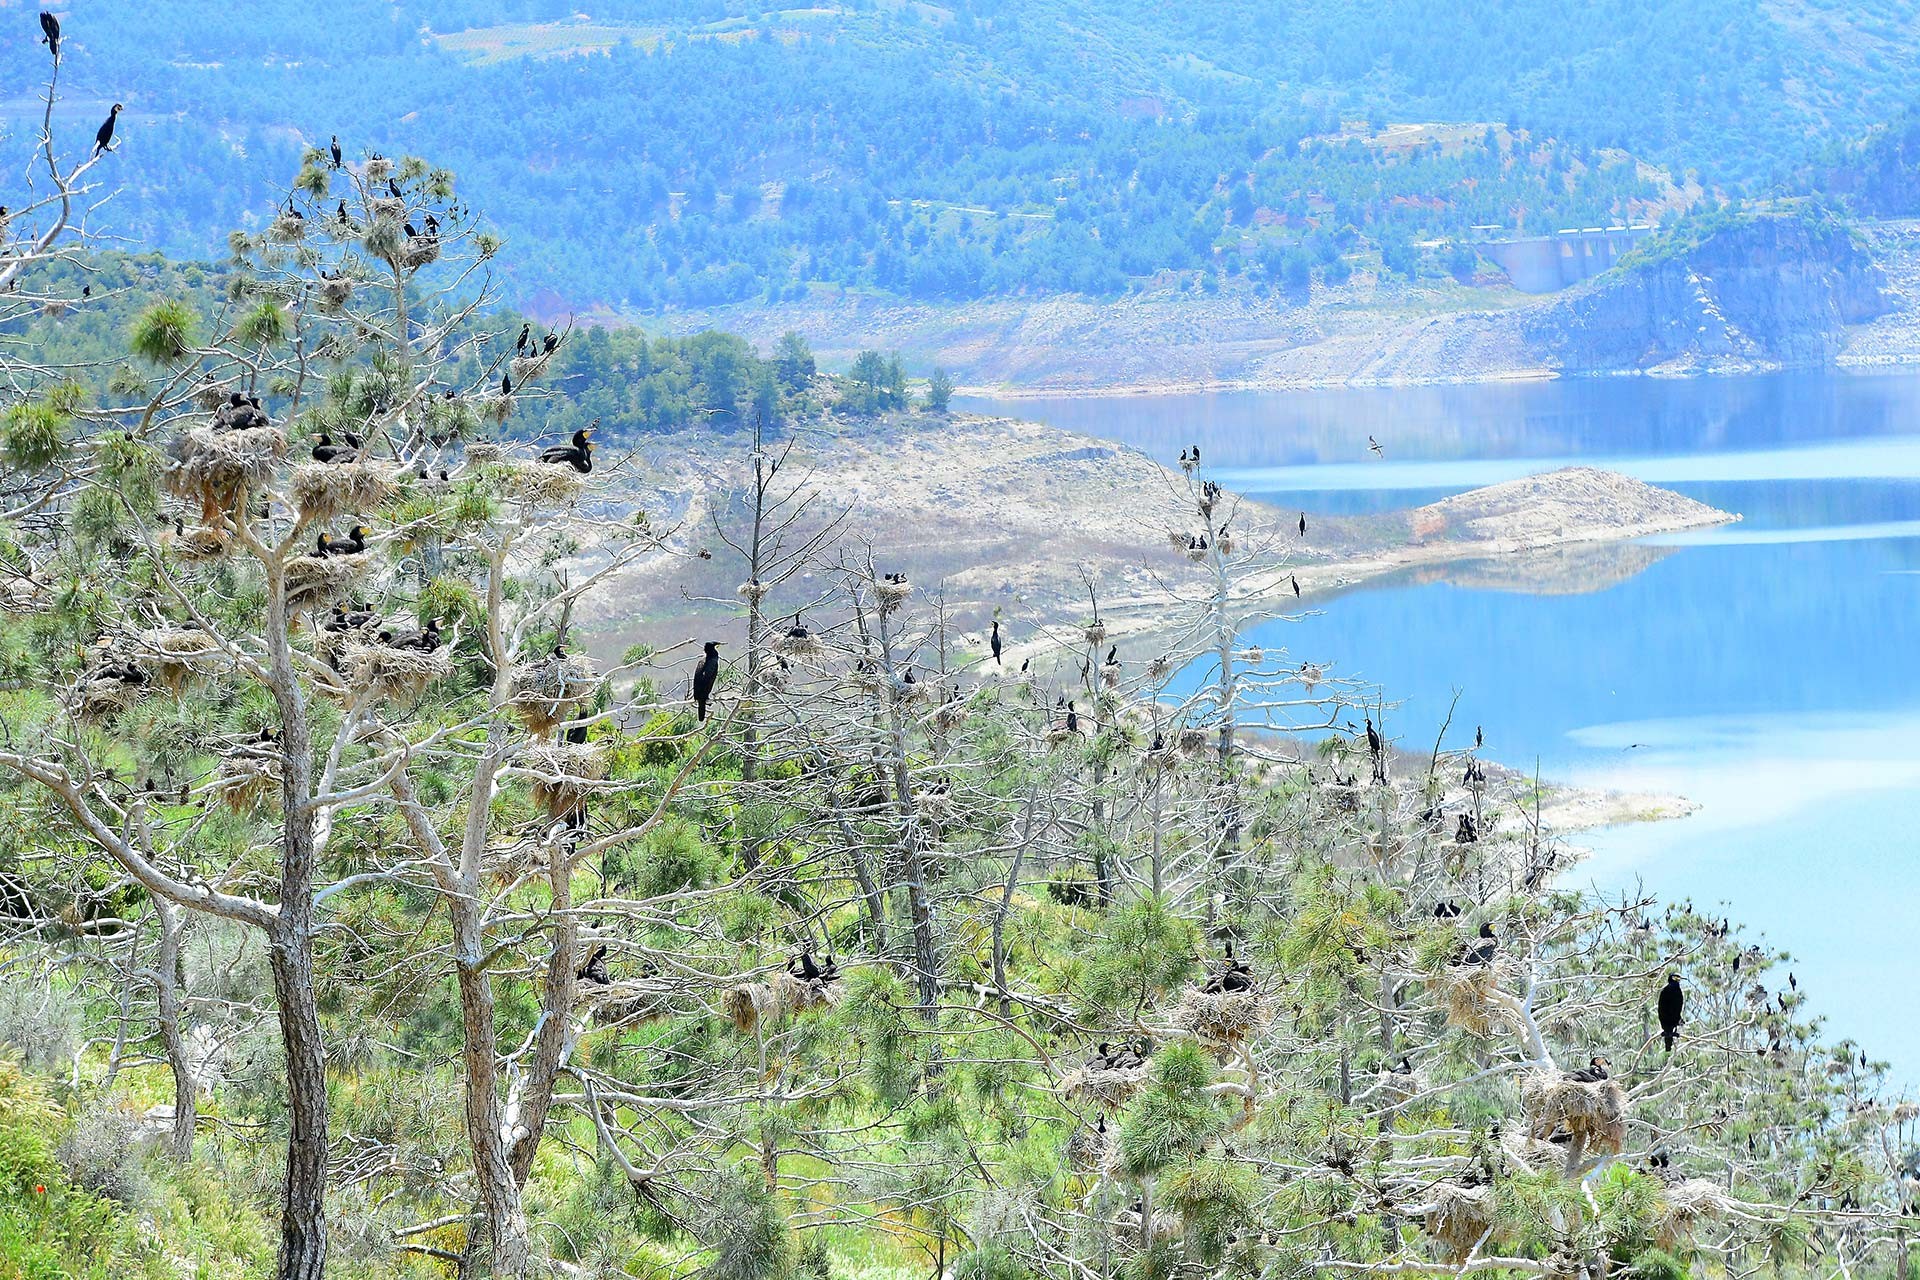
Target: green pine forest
358 921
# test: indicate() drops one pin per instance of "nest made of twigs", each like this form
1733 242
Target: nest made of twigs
1222 1017
625 1004
1090 1147
245 780
543 484
1467 990
524 369
324 490
334 295
175 656
1108 1087
395 673
1225 544
1192 741
196 544
1096 633
893 595
805 645
752 591
318 581
288 228
420 250
1459 1219
218 469
1595 1114
775 997
1179 541
1686 1204
22 595
548 692
101 697
563 773
1110 674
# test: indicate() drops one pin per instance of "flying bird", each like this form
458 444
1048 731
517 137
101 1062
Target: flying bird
1374 446
103 140
704 676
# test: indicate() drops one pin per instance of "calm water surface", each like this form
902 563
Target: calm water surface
1766 670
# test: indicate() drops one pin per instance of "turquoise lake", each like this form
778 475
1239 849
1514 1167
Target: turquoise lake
1766 670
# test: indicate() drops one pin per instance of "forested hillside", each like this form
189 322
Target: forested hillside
652 154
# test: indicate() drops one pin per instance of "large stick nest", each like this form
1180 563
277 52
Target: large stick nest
893 595
197 543
626 1004
1108 1087
388 672
775 997
176 656
549 692
1468 992
563 773
543 484
246 779
218 469
97 697
323 490
1222 1017
1595 1114
318 581
1459 1219
1685 1205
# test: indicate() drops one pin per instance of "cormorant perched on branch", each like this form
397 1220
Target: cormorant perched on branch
994 641
595 969
103 140
520 343
1672 1001
506 384
1446 910
578 455
704 676
352 545
1073 719
806 969
50 33
1296 585
552 341
1373 739
1303 524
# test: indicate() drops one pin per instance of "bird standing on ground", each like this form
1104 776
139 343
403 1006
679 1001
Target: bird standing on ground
704 677
50 33
103 140
1672 1003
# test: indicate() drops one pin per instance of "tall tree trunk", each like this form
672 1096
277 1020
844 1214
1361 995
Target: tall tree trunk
166 990
303 1219
502 1247
556 1007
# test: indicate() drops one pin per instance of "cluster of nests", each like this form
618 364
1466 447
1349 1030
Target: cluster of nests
1187 744
802 986
1110 1076
161 658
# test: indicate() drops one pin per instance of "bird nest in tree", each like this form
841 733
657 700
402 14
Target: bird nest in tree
98 697
1096 633
1225 543
323 490
22 595
625 1004
1595 1114
388 209
1179 541
549 692
1193 741
377 169
544 484
53 308
334 295
1398 1086
497 408
484 451
395 673
524 369
951 715
217 469
244 781
776 997
1108 1087
562 774
1222 1017
197 544
752 591
1059 735
1684 1205
211 396
1196 553
1090 1147
1459 1219
287 229
419 251
804 645
935 805
1110 674
175 656
1468 991
893 595
317 581
1160 668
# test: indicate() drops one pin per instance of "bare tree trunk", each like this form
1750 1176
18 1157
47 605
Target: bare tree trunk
1006 904
303 1220
166 990
556 1006
503 1248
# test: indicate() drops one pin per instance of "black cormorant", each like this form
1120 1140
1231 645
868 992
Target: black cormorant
1672 1002
103 140
352 545
50 33
704 676
578 455
994 641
